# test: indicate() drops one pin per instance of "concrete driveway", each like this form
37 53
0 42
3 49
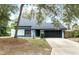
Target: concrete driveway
63 46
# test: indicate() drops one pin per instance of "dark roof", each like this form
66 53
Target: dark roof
43 25
48 26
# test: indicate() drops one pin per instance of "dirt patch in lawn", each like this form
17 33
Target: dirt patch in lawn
19 46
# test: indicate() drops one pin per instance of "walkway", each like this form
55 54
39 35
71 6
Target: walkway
63 46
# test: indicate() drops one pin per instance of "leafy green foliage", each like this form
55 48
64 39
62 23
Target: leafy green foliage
27 15
72 9
39 16
72 34
48 9
56 23
40 13
5 13
13 25
75 27
71 13
75 33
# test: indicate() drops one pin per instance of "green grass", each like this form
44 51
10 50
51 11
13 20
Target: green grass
39 43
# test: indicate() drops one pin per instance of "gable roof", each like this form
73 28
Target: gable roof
43 25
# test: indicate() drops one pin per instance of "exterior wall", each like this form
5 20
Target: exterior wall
12 32
62 34
21 32
33 33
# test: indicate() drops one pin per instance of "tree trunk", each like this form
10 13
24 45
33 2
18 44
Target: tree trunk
16 30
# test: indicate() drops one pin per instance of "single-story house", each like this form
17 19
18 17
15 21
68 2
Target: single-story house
30 28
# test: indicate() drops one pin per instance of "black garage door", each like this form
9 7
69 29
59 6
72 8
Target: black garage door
53 33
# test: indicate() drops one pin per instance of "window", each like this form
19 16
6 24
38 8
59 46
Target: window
24 31
20 32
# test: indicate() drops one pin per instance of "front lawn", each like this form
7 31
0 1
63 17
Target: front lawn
19 46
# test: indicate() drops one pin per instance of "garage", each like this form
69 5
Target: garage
53 33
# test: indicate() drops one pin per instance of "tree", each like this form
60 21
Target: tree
71 12
5 12
75 27
40 13
56 22
16 31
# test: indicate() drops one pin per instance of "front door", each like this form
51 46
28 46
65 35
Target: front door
37 33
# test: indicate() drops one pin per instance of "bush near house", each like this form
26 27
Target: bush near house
68 34
75 33
71 34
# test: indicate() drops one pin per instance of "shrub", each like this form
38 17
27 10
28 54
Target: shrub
68 34
75 33
72 34
42 34
3 31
